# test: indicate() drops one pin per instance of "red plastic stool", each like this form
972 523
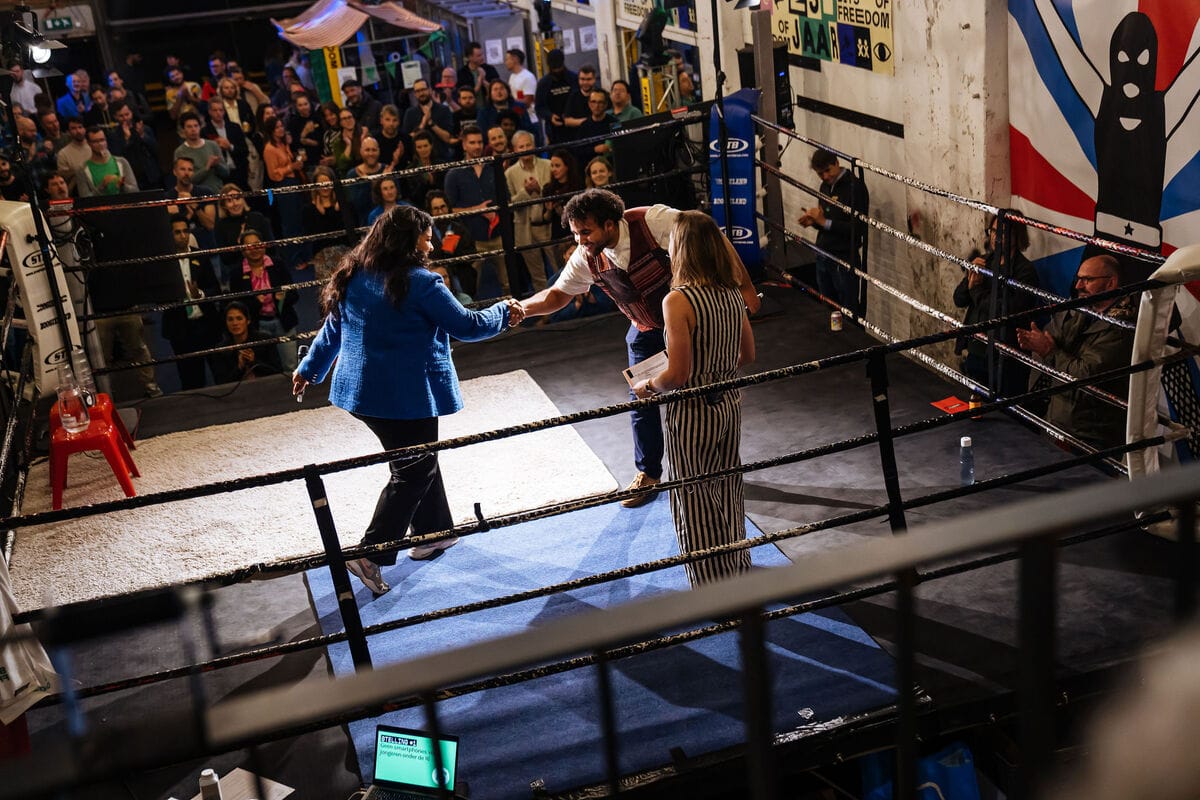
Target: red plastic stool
103 409
100 435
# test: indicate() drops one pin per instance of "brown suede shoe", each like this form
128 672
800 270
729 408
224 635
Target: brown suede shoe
642 481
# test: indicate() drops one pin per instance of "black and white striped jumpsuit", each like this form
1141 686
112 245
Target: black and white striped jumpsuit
704 434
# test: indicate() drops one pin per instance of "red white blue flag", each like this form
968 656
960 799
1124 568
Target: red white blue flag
1105 124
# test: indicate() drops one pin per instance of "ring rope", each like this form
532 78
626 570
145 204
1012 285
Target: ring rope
212 298
577 583
403 173
914 242
1018 355
1143 255
219 349
221 298
307 562
312 237
840 359
647 645
1177 430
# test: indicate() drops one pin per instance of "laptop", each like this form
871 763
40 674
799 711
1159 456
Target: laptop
405 767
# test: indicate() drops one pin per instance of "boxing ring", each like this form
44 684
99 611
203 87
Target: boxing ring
746 616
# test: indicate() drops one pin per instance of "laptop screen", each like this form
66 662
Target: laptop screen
404 759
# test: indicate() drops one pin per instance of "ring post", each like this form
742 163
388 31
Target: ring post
877 371
1186 578
756 688
337 569
1036 637
608 722
429 699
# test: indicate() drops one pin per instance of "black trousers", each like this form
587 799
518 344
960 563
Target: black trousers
414 495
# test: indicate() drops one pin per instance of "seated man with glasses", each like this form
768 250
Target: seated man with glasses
1082 345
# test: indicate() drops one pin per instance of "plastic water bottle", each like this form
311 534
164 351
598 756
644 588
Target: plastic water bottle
72 410
210 785
966 461
83 375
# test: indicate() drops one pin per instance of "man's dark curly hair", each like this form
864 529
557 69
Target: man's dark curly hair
599 204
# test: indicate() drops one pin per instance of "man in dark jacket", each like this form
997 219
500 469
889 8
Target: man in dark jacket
1083 345
838 233
232 141
192 328
975 293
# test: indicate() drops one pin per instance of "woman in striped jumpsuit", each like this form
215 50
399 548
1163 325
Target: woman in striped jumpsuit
708 338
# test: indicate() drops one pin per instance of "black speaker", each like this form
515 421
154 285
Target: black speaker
649 156
121 233
783 81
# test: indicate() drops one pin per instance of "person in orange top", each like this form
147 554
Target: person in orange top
283 170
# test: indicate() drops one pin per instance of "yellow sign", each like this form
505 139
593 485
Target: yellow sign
333 62
857 33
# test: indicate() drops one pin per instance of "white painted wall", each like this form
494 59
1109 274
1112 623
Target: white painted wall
950 93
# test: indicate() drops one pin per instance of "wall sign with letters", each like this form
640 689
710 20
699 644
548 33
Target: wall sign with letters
857 33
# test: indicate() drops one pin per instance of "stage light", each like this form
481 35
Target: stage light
20 39
545 15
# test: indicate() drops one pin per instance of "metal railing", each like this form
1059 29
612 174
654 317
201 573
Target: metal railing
1029 532
1031 527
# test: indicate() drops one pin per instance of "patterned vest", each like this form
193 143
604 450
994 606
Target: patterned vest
638 291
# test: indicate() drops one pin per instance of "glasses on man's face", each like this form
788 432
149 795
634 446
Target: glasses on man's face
1090 278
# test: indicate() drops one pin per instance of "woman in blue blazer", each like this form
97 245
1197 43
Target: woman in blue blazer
388 327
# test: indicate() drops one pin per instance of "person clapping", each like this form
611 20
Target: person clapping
395 374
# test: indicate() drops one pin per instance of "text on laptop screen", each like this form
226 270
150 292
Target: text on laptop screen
407 758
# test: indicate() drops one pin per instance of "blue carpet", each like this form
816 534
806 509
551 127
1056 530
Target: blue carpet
688 696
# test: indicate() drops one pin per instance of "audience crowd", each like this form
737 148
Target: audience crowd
232 136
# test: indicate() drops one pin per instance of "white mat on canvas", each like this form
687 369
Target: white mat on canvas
159 545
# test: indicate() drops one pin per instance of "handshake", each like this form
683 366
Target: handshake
516 312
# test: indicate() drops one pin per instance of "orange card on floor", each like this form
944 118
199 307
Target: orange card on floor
951 404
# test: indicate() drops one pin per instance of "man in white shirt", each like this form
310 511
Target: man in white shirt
531 223
521 81
25 90
624 252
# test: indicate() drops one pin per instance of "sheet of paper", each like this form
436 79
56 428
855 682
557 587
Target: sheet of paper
240 785
516 43
646 369
410 73
587 38
568 41
494 51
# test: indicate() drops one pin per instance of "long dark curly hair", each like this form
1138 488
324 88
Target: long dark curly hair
390 249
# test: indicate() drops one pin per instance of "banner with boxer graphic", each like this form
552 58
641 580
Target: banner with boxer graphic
1104 125
739 154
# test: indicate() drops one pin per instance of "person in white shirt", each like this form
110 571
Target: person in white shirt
624 252
521 81
25 90
530 224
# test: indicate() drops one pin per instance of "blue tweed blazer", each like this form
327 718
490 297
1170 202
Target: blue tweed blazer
394 362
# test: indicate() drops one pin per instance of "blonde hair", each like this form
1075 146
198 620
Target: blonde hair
227 190
700 254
